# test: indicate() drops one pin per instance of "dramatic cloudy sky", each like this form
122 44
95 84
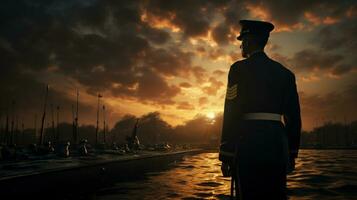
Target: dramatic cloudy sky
170 56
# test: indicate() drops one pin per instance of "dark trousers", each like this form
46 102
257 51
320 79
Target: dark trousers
260 182
261 162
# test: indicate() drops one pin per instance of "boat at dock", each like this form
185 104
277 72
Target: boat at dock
58 176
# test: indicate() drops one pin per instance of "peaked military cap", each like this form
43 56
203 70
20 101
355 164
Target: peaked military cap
255 27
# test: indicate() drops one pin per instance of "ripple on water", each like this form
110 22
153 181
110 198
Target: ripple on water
344 188
204 194
316 179
182 182
319 175
187 166
306 192
172 195
209 184
191 198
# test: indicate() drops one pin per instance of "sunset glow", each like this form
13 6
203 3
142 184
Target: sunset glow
211 115
171 57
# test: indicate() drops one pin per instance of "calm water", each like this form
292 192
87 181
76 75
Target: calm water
320 174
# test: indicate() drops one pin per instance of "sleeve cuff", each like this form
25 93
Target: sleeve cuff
226 156
226 153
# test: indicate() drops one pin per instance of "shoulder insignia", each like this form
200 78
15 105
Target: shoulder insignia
231 92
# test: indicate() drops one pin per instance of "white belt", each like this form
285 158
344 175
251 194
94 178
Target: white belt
262 116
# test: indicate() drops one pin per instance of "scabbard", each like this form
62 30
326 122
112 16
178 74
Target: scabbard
234 181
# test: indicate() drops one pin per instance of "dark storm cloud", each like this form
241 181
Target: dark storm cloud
341 69
309 60
106 46
284 14
341 36
220 34
335 105
98 43
192 17
153 87
170 62
156 35
313 60
232 12
290 13
150 88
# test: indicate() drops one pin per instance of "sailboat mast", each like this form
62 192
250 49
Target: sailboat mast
43 116
53 123
104 131
57 135
97 127
1 128
35 126
73 123
22 131
12 121
16 135
7 127
76 120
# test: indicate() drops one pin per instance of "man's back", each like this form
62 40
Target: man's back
255 142
262 84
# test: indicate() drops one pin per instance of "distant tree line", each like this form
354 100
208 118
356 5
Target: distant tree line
331 134
153 129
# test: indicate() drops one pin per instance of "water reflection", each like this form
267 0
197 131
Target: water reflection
320 174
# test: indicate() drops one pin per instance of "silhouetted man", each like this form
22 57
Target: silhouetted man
257 148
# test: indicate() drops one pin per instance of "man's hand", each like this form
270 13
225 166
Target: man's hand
291 165
226 169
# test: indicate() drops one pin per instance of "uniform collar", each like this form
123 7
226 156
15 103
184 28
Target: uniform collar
257 53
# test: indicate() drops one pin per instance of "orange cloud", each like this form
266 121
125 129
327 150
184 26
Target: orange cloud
330 20
202 101
200 50
199 73
259 11
310 78
185 85
214 86
317 20
312 18
219 72
160 22
351 12
235 55
185 106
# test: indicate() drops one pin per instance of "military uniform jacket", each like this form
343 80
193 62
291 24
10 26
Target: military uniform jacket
259 84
